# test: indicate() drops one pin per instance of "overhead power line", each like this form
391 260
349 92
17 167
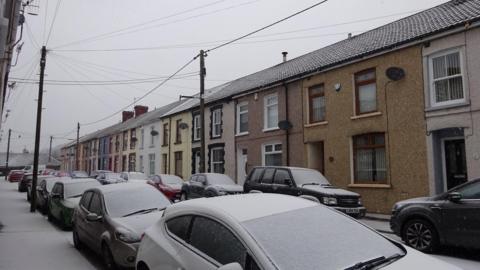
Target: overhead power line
59 2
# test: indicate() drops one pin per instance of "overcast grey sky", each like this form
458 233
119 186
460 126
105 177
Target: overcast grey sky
173 32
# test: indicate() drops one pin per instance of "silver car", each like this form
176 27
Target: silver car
110 220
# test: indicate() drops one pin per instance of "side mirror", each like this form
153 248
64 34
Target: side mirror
288 181
55 196
454 197
92 217
231 266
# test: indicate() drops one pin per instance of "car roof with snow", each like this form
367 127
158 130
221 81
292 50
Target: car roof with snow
69 180
243 207
120 187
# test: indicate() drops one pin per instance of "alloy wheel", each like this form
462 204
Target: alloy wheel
420 235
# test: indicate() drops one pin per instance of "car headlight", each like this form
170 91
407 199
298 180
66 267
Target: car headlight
329 201
360 201
127 236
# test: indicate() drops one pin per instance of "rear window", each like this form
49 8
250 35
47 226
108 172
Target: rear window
256 175
75 189
268 176
179 226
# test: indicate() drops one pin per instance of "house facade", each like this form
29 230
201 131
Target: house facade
451 66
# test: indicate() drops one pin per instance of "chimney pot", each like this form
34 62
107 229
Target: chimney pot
127 115
139 110
284 56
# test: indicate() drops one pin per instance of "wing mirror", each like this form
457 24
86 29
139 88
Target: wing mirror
454 197
56 196
231 266
92 217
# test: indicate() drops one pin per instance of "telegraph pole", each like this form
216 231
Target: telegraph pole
8 149
202 111
50 150
38 129
77 149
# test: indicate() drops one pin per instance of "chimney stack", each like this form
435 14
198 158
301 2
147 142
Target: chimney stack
139 110
349 35
127 115
284 56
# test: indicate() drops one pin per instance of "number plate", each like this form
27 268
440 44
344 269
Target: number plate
353 211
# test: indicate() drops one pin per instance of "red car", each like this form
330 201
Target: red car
15 175
169 185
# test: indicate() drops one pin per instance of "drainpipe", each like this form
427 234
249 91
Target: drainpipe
169 142
287 131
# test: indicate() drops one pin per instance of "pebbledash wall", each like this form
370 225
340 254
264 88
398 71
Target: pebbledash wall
401 120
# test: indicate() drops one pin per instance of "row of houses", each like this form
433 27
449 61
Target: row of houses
392 113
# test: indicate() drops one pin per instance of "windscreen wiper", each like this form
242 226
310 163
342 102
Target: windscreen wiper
143 211
372 263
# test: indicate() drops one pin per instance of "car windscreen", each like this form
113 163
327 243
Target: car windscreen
49 184
137 176
171 180
76 188
302 177
79 174
219 179
139 198
317 236
112 176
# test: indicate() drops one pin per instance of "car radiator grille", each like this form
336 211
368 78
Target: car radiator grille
346 202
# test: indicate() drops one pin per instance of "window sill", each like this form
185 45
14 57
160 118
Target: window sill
366 115
385 186
447 106
177 143
323 123
215 137
241 134
270 129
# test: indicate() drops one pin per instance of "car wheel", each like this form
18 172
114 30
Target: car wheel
76 239
421 235
183 196
108 258
62 223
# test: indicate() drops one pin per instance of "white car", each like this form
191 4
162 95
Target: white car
269 231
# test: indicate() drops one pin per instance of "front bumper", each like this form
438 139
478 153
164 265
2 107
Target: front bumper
357 212
394 224
123 253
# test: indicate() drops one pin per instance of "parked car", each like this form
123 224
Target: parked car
218 233
79 174
64 196
134 176
169 185
300 182
24 182
29 184
106 178
61 174
94 174
43 190
209 185
112 225
15 175
451 218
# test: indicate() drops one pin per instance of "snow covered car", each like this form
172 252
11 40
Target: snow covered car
112 225
169 185
63 198
304 182
209 185
107 178
43 190
286 232
134 176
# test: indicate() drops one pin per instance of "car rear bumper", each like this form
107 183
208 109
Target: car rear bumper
357 212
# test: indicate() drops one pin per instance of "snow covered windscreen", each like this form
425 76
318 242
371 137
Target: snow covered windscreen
219 179
305 176
315 237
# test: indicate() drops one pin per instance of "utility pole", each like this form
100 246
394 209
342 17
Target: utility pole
202 111
8 149
77 149
50 150
38 129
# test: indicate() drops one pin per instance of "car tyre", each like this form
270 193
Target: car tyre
77 243
421 235
49 215
108 258
183 196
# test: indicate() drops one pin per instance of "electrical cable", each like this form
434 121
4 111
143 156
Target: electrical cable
59 2
31 35
45 22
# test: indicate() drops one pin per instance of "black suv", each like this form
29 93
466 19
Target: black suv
302 181
209 185
451 218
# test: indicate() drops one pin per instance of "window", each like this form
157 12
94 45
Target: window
272 154
142 138
271 112
179 226
133 138
140 164
256 175
196 127
117 143
178 164
96 205
217 160
125 140
217 123
178 132
446 78
471 191
165 134
151 164
369 158
165 163
217 242
242 118
365 91
281 176
86 199
152 136
316 103
268 176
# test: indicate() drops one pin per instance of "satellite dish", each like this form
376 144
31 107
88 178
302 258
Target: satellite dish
395 73
183 125
285 125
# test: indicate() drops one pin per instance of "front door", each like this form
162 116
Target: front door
455 163
242 166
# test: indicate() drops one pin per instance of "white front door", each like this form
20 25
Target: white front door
241 166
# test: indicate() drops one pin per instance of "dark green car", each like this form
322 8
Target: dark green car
65 195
